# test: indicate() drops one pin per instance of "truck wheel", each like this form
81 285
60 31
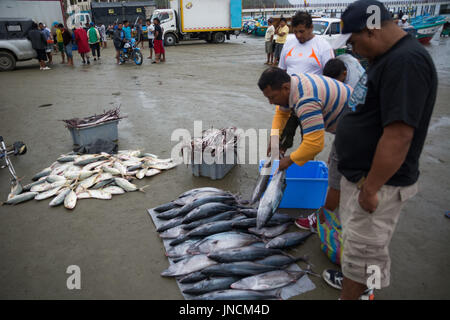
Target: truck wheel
7 61
170 40
219 37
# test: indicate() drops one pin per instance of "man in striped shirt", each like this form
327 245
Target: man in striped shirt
317 101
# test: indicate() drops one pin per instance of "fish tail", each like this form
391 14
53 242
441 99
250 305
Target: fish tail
142 189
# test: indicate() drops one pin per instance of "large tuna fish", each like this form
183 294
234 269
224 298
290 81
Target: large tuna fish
189 265
268 280
288 240
271 199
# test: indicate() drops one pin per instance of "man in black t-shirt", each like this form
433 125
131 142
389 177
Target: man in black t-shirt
158 42
379 143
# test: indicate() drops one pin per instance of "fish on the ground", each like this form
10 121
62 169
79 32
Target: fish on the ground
70 201
170 224
288 240
165 207
206 210
213 284
269 280
173 233
281 260
221 241
47 194
193 277
270 232
59 199
227 215
242 268
189 265
233 294
21 198
248 253
181 249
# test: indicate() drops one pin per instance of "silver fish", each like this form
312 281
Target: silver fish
30 185
94 194
261 183
53 178
152 172
45 172
59 199
271 199
268 280
181 249
47 194
212 284
248 253
21 198
114 190
16 189
233 294
270 232
141 173
189 265
70 201
127 186
228 241
288 240
173 233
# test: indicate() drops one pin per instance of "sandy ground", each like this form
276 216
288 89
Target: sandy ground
114 242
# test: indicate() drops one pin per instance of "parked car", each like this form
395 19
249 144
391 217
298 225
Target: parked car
14 45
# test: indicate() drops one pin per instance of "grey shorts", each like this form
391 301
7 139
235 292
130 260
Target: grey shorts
334 176
269 47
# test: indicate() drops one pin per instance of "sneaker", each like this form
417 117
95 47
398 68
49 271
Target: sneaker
308 223
88 62
95 59
334 278
368 294
46 68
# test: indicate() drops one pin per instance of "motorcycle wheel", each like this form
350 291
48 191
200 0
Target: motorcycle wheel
138 59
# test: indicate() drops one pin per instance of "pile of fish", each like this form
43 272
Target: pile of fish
99 176
217 248
110 115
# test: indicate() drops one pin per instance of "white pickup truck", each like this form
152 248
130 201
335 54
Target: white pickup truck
210 20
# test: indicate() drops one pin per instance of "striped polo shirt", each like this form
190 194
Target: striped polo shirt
318 101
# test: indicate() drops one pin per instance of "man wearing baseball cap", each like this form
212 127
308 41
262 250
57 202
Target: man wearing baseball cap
379 143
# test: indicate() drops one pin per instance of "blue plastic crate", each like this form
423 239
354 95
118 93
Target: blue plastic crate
306 186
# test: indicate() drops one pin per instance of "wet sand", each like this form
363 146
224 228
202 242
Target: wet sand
114 242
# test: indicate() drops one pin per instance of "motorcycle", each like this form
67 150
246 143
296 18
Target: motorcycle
131 52
18 148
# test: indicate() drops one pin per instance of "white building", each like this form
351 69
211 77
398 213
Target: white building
335 8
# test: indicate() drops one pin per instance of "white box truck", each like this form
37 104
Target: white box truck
210 20
46 11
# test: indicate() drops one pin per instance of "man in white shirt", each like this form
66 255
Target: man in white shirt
151 37
305 53
404 22
269 39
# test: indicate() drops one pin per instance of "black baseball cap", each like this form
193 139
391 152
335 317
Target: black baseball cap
356 17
